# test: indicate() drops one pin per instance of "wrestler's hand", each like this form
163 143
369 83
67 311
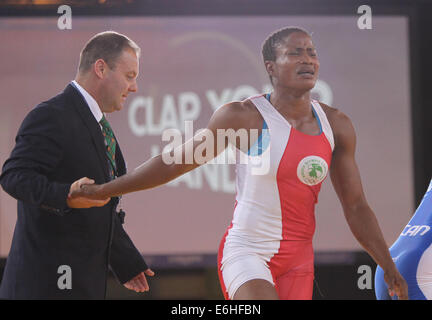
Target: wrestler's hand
87 191
78 201
396 284
139 283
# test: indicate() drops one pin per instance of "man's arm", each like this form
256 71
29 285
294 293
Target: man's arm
346 180
126 261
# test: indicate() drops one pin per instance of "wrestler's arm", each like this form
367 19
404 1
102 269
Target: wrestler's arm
156 171
361 219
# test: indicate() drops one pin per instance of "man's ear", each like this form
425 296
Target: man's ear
100 68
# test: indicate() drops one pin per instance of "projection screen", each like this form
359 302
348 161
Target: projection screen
192 65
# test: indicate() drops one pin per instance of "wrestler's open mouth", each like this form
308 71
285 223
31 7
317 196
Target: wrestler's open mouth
310 71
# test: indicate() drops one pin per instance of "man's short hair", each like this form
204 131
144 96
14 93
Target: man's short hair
106 45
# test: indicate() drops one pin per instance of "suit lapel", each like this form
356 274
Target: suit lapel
93 127
121 165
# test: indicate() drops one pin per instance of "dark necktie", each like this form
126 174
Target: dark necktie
110 145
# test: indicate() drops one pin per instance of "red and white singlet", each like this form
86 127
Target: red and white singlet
271 233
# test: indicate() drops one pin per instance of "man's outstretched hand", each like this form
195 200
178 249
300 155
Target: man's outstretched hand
77 199
139 283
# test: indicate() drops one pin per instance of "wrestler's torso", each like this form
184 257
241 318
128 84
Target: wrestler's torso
278 188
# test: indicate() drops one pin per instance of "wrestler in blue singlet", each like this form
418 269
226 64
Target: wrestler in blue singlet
412 254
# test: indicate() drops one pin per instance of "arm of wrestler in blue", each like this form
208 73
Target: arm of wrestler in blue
361 219
29 173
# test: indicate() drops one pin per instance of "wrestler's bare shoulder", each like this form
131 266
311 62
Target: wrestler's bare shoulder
335 116
243 107
340 123
240 114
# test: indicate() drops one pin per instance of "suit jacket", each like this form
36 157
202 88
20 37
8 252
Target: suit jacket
59 142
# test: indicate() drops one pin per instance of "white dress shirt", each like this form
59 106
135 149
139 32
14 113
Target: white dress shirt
91 102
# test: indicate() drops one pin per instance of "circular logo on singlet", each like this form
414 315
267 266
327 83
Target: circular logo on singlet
312 170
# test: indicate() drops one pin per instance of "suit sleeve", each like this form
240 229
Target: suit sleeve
125 259
35 157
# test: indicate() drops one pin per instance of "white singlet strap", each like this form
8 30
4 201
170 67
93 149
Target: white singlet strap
324 123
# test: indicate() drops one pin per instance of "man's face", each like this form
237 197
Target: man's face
119 82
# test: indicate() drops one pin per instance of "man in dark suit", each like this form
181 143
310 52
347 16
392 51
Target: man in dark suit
62 248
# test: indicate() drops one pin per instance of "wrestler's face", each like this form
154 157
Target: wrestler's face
118 82
296 65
